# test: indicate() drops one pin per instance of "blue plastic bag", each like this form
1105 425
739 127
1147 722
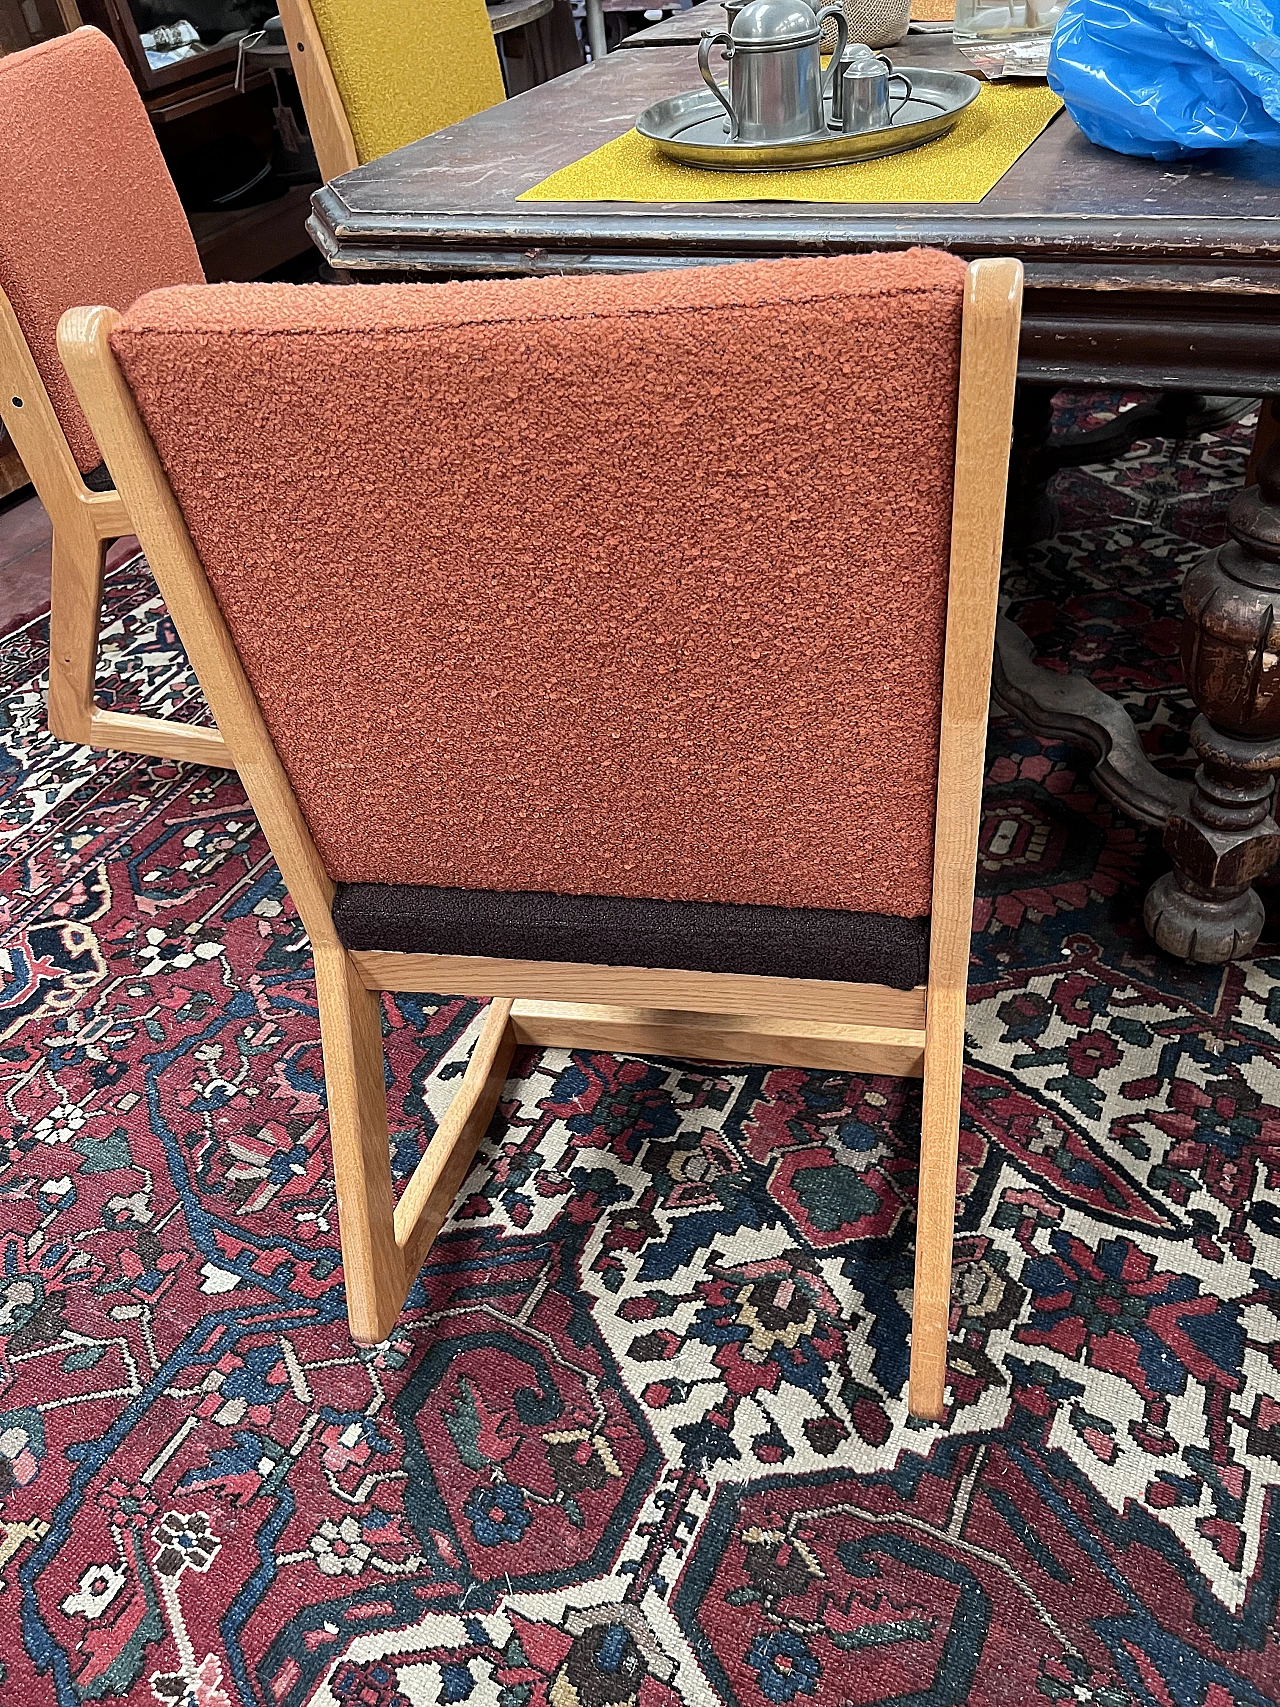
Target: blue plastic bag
1170 77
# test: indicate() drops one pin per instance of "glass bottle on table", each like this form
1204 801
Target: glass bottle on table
985 23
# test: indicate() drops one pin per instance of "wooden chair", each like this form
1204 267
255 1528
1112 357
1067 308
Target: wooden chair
375 75
622 756
87 212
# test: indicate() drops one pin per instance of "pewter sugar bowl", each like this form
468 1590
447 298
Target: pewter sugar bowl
775 69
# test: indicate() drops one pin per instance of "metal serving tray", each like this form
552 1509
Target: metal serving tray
692 128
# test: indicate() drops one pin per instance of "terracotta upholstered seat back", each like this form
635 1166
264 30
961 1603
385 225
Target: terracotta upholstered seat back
619 586
88 212
406 68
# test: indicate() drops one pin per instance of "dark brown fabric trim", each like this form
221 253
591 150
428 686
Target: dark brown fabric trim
98 478
608 930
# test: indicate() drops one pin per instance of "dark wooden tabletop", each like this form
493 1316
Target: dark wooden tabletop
685 26
679 28
1138 271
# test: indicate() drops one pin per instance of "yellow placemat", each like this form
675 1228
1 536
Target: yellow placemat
962 166
933 11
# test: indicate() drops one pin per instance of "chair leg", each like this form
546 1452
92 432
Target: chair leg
75 606
384 1245
351 1037
437 1179
936 1214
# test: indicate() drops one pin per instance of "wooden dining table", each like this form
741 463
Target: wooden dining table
1159 275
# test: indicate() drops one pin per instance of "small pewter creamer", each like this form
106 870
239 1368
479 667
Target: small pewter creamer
775 70
863 88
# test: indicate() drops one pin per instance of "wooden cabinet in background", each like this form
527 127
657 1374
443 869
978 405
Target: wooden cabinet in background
174 91
25 22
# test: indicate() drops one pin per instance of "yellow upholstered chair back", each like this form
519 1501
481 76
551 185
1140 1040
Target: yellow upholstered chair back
387 72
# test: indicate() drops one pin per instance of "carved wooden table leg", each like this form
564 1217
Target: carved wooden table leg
1219 831
1205 908
1069 708
1029 513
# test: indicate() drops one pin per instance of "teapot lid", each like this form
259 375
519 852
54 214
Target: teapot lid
774 21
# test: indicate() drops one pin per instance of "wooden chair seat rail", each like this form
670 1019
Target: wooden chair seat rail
897 1052
645 987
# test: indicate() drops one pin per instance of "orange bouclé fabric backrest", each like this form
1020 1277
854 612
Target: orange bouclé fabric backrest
623 586
88 211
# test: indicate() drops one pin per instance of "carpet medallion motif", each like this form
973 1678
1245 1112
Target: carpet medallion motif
640 1438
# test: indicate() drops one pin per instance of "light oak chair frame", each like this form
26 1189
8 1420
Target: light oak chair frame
863 1028
84 524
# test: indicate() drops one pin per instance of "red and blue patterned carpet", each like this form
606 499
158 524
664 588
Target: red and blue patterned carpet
641 1438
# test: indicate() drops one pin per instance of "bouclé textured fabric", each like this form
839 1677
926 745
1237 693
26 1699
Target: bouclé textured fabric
88 211
608 930
616 586
406 68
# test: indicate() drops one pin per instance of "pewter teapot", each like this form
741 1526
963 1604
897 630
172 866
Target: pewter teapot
775 69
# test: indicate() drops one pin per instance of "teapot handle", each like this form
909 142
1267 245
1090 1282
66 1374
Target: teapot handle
832 85
710 39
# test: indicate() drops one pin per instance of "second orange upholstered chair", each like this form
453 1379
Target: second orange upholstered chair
88 213
686 766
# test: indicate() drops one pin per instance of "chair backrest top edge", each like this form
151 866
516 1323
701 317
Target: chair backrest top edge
318 309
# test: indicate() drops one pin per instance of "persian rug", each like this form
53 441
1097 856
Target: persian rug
640 1438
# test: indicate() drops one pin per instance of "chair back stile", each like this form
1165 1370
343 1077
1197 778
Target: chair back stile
33 425
857 1026
162 532
984 416
350 1013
